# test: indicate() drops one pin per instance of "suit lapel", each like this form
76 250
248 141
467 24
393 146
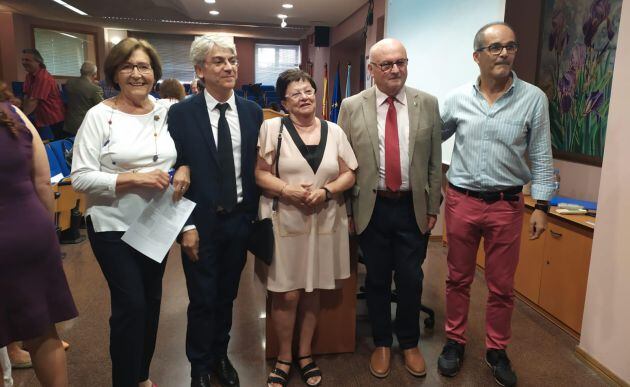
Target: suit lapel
240 110
203 124
369 115
414 117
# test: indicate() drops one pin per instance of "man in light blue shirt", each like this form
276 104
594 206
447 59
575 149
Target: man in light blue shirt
500 124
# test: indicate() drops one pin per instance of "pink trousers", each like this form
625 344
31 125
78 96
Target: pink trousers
500 224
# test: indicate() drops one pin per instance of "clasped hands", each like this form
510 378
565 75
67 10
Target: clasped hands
303 196
158 179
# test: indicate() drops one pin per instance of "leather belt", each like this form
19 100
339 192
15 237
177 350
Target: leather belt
393 195
511 194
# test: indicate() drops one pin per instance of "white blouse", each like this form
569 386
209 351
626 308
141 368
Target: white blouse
110 142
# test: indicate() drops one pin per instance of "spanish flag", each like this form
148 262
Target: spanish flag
325 97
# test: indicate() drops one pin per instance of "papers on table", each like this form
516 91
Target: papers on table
155 230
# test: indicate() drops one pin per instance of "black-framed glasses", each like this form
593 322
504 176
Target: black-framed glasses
127 68
497 49
387 66
220 61
296 96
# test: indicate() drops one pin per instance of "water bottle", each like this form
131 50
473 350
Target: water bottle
556 181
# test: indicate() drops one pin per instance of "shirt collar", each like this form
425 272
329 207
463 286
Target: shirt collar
211 102
515 83
401 97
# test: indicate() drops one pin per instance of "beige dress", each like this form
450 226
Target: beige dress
311 248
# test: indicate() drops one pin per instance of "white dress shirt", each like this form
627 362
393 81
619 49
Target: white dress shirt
231 114
402 118
103 150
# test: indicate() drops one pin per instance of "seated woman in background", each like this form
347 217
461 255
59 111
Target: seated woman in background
171 92
122 154
33 285
316 165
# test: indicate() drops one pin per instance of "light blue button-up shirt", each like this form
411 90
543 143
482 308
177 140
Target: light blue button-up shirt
494 142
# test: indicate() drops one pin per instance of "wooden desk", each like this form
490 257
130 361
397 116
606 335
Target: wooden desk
64 203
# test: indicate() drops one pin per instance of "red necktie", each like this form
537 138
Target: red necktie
393 180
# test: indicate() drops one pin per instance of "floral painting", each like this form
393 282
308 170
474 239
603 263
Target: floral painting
579 41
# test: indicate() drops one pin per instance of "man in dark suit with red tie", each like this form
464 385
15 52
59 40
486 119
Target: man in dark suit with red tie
215 133
394 131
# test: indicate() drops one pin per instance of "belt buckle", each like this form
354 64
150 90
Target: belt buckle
490 197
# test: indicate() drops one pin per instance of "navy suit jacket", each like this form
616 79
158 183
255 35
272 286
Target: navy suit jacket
189 125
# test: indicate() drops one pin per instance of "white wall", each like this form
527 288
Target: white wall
605 334
439 37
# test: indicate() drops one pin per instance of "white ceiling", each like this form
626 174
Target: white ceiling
241 17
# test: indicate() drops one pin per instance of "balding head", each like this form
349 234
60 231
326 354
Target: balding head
388 65
88 69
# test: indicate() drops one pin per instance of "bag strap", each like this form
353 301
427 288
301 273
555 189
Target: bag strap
276 161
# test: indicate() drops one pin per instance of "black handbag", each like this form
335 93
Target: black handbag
261 240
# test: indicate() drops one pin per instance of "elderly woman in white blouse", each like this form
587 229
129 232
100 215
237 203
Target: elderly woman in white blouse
122 156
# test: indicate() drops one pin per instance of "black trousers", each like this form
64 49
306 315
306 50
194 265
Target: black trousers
212 284
135 285
392 242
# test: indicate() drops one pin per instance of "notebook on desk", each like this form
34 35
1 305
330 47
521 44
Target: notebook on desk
561 199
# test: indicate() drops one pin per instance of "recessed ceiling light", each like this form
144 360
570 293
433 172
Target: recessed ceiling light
74 9
287 6
214 12
210 1
282 16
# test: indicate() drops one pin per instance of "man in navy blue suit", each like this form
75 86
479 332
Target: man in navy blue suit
215 133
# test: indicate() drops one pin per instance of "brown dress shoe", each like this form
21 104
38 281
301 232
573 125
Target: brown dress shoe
379 362
414 362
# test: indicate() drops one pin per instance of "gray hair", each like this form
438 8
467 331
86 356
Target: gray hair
36 55
88 69
479 36
203 45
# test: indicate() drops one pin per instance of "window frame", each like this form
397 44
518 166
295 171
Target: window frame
97 42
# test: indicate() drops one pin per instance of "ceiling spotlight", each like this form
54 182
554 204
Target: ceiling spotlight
287 6
282 16
283 24
214 12
210 1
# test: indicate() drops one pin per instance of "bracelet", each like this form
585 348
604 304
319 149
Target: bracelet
283 187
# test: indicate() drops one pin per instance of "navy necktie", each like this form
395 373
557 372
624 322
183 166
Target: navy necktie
227 198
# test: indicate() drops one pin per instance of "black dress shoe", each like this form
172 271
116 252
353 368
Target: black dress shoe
225 372
200 381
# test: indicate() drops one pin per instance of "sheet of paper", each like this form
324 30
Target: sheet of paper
155 230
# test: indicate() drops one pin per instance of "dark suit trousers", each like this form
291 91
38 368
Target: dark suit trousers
135 285
392 241
212 284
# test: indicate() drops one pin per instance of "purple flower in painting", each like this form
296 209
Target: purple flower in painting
566 88
559 36
566 84
599 12
578 57
594 102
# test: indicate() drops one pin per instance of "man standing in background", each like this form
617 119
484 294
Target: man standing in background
83 93
41 94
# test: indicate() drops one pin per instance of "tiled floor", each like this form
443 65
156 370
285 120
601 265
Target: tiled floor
541 353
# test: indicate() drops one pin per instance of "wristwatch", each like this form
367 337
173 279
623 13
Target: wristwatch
328 193
542 205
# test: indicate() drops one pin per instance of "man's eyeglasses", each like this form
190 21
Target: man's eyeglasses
497 49
387 66
127 68
298 94
220 61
